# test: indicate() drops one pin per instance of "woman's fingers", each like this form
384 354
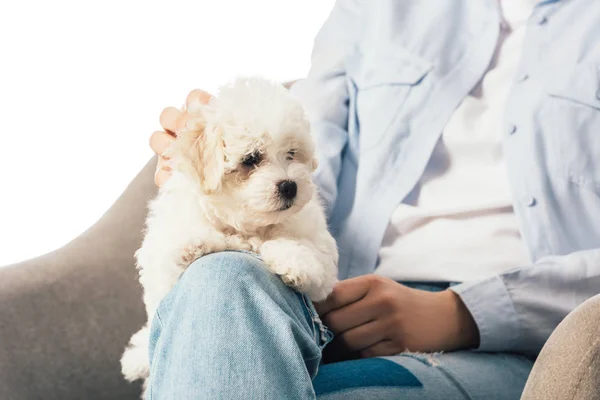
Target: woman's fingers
382 349
364 336
163 171
160 142
351 316
172 120
197 95
344 293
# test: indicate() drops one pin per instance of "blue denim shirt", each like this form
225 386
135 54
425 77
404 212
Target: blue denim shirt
386 75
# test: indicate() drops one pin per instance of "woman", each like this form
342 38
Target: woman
460 167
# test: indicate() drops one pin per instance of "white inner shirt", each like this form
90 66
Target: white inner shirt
460 225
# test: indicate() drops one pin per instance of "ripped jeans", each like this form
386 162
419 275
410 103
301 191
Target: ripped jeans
231 330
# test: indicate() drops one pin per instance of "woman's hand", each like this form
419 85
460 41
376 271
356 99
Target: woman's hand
373 316
172 120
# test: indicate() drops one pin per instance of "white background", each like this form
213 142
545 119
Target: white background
82 85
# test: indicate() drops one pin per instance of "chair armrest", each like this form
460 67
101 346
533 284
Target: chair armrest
66 317
568 366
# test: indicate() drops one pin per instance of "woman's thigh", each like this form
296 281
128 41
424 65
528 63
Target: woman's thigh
458 375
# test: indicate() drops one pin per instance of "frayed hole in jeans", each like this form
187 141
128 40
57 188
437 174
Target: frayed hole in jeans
429 359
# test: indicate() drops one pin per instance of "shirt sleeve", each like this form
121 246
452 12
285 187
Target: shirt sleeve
324 94
518 310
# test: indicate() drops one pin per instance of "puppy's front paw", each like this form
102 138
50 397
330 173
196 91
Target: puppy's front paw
293 275
321 291
194 251
190 254
298 267
238 242
293 271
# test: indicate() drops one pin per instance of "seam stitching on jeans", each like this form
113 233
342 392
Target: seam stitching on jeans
313 358
371 387
456 383
309 316
157 314
153 366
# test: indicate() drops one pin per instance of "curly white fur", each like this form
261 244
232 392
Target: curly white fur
217 199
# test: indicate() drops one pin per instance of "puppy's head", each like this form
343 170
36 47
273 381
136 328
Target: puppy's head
251 154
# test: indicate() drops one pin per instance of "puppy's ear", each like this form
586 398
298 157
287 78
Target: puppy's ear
208 159
314 164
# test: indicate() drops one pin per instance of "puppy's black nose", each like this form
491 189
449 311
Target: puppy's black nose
287 189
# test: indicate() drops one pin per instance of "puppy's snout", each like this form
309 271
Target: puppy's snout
287 189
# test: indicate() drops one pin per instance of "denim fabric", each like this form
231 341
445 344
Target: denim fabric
464 375
457 376
343 377
386 76
232 330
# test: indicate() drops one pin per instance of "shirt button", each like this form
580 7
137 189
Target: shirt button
529 201
512 129
523 78
542 20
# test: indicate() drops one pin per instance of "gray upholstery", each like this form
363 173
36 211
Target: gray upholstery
65 317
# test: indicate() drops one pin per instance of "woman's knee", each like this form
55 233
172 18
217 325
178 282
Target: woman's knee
230 300
225 277
230 268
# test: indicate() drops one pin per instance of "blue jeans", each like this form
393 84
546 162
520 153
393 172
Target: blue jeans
231 330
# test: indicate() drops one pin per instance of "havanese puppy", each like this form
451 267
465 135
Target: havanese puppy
241 180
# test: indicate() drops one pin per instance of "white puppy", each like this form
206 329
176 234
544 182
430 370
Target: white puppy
241 181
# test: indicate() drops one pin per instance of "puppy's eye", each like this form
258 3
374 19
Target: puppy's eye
291 154
251 159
